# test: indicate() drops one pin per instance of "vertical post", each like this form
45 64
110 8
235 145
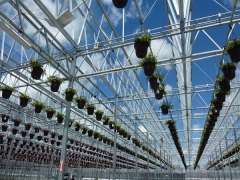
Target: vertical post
228 159
8 160
216 158
222 160
236 141
66 125
115 139
136 166
123 24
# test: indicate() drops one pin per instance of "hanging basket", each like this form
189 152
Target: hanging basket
52 141
69 96
14 131
39 138
95 136
149 68
90 134
17 122
53 135
45 133
59 120
77 128
38 109
6 93
119 3
99 117
111 126
58 143
84 131
5 118
164 111
23 133
31 135
218 105
141 49
90 111
105 122
4 128
28 126
55 86
229 72
23 102
234 54
49 114
225 86
36 129
158 94
60 137
221 97
81 104
153 83
36 73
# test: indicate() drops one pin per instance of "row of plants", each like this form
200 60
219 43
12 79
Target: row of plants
228 154
173 130
232 163
222 88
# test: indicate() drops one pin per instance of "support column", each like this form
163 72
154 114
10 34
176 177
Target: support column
236 141
115 139
8 160
229 165
66 125
222 160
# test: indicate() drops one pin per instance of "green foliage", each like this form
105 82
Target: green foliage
148 58
90 130
71 121
90 106
162 88
220 79
50 110
226 65
70 89
77 124
96 134
99 112
59 114
36 103
231 44
80 98
34 63
219 90
106 118
143 38
158 76
166 105
6 87
54 79
24 96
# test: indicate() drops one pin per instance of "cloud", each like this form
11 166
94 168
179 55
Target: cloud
196 126
230 3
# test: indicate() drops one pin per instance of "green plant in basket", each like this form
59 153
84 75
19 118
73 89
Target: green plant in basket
166 105
162 88
24 96
99 112
80 98
158 76
6 87
59 115
219 90
77 124
231 44
34 63
143 38
70 89
54 79
40 104
220 79
50 110
107 118
148 58
228 64
90 106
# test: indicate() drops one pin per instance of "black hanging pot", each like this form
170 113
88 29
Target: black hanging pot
45 133
36 130
105 122
4 128
229 72
69 96
225 86
53 135
60 137
55 86
31 135
81 104
90 111
141 49
23 102
39 138
38 109
119 3
149 68
49 114
164 110
98 117
158 94
111 126
84 131
23 133
6 93
95 136
90 134
234 53
5 118
14 131
60 119
36 73
77 128
27 126
153 83
221 97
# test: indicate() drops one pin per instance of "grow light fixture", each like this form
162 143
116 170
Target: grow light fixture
14 35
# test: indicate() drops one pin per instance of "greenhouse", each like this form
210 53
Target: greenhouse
119 89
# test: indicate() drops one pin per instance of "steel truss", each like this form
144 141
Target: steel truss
100 63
